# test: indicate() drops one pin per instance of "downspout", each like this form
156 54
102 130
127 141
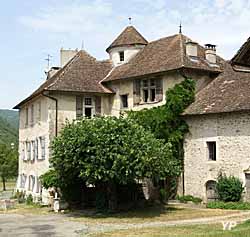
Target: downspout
56 103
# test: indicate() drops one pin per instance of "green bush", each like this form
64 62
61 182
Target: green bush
20 196
229 189
189 198
29 200
229 205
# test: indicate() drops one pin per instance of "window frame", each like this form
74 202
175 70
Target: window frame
92 106
122 101
121 56
146 85
212 150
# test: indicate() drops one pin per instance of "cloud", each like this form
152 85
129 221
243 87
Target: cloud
223 22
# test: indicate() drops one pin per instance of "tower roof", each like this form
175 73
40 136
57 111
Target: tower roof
129 36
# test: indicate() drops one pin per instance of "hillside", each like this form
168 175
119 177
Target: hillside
8 126
10 116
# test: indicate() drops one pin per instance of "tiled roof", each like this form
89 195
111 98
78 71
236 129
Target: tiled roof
242 56
82 73
130 36
229 92
163 55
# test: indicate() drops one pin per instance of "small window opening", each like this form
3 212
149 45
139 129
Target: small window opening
121 54
211 150
145 95
88 101
152 95
88 112
124 100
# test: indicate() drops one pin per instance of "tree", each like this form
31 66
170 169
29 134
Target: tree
110 151
8 163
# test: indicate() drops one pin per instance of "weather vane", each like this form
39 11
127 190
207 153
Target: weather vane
130 19
180 28
48 60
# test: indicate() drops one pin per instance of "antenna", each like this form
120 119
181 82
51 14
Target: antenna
129 20
48 59
180 28
82 47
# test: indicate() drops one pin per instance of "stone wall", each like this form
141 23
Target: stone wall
231 133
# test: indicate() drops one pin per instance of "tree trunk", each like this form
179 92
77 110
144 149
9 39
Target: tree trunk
112 196
4 181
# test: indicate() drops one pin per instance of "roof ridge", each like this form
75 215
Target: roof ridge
182 50
64 69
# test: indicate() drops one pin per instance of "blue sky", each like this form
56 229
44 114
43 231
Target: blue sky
32 29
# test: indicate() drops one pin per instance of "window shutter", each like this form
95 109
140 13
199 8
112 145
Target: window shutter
78 107
137 91
98 105
159 89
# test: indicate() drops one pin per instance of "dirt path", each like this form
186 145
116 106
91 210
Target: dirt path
238 217
60 225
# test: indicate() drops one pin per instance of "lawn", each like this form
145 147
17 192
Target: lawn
215 230
10 185
149 214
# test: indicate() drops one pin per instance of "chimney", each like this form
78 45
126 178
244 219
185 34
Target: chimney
66 55
191 49
210 53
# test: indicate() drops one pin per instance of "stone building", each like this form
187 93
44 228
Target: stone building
136 76
219 124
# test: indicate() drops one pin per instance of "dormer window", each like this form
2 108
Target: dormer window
121 55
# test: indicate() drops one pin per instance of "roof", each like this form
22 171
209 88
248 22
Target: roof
82 73
229 92
242 56
163 55
130 36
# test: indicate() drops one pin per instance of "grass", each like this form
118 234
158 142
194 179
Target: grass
10 185
213 230
149 214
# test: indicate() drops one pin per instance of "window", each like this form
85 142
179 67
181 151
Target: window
124 101
89 107
148 90
42 144
211 150
32 114
121 55
23 180
26 117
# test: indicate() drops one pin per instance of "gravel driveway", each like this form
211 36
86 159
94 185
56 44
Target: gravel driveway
40 226
60 225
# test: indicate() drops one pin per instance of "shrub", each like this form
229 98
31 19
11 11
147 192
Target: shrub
20 196
229 205
29 200
229 189
189 198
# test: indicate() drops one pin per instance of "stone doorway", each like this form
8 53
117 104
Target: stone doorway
211 190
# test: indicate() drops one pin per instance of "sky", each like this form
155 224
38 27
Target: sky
30 30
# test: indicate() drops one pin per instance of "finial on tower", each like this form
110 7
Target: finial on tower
180 28
129 20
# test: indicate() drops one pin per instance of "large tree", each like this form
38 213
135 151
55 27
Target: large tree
8 163
110 151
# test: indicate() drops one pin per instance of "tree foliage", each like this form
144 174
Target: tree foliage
8 162
109 148
229 189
